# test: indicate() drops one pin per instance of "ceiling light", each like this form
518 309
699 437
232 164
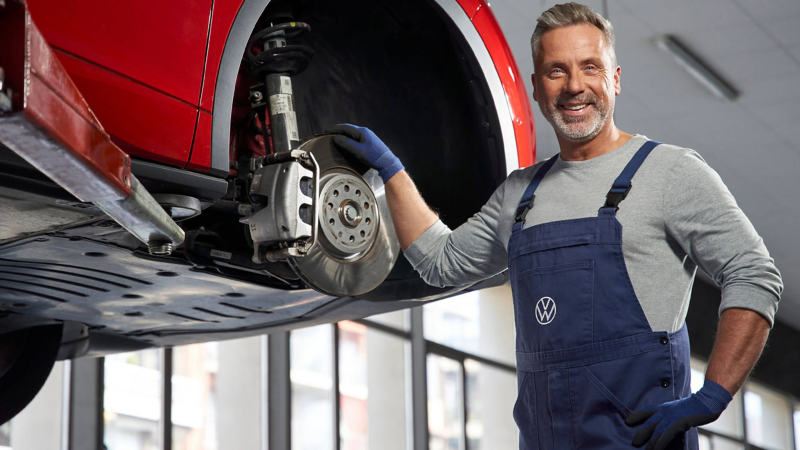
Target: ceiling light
696 68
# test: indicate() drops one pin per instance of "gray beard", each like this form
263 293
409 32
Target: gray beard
577 129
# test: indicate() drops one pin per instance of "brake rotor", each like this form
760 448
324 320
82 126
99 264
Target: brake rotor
356 244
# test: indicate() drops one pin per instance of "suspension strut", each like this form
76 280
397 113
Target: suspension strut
276 64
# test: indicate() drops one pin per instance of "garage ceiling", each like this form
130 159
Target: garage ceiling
752 142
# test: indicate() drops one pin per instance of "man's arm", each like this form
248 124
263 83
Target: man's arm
442 257
410 214
701 215
741 337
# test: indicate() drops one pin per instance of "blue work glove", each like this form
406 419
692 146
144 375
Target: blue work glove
367 148
671 420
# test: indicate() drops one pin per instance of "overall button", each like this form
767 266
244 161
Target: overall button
665 382
664 340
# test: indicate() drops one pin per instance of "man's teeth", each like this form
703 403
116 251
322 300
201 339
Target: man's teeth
576 107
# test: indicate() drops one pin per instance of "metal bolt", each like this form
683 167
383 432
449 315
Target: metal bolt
160 248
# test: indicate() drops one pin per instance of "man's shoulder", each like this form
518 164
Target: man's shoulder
673 156
526 173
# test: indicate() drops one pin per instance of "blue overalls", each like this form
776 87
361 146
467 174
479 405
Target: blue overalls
586 356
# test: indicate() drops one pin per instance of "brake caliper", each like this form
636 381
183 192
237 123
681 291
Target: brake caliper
287 187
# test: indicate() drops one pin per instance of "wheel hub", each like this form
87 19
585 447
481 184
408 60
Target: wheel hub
349 218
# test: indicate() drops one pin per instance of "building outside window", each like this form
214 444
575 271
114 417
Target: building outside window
194 396
769 417
445 404
372 387
312 388
132 400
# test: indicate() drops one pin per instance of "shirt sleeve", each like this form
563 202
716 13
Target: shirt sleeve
472 252
703 217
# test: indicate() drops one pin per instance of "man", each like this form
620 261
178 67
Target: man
602 349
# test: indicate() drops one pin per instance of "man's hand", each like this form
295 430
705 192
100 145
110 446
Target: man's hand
363 145
671 420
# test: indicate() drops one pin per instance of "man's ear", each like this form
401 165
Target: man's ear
617 73
533 80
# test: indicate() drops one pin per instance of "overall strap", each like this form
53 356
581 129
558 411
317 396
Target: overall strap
622 185
526 203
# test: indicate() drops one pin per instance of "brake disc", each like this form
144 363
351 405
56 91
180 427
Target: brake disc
356 244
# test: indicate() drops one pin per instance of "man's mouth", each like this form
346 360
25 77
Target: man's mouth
576 107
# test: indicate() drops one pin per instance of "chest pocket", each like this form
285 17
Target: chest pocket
554 306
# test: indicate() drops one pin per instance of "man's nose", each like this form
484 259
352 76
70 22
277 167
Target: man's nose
575 83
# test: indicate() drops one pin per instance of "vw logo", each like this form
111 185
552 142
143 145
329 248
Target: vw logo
545 310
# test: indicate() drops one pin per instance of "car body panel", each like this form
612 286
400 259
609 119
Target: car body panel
142 121
159 44
145 58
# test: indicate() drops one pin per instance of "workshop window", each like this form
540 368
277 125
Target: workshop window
769 417
399 320
194 396
445 404
796 417
239 392
480 322
312 388
372 388
132 400
5 436
716 442
491 393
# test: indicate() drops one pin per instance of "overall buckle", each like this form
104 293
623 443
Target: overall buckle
522 211
616 195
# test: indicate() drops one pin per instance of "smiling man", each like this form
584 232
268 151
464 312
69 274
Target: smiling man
602 262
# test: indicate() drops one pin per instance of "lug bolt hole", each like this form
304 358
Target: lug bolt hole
363 233
346 188
331 221
330 205
358 193
335 193
366 205
352 238
368 221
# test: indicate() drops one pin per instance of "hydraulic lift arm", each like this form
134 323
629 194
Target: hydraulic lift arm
46 121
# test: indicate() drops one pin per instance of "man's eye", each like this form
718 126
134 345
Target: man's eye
590 67
556 72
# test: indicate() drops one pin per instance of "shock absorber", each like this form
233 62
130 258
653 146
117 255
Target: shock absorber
276 64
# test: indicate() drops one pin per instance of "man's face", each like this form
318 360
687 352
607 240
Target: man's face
575 81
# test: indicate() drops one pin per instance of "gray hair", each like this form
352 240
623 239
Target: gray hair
572 14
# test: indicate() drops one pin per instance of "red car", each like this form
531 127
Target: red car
165 178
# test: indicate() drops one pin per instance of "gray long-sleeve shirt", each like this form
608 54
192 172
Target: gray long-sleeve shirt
679 215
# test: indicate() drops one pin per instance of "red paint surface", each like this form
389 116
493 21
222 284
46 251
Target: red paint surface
54 103
161 44
143 122
471 7
221 22
201 150
513 84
